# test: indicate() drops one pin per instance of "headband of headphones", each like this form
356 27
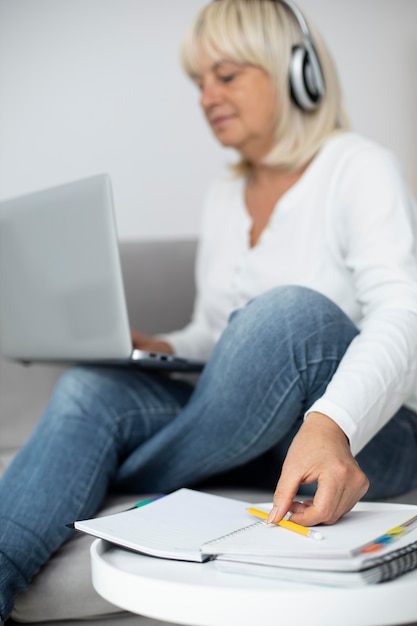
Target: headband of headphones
305 73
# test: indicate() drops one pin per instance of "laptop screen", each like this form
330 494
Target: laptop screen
61 286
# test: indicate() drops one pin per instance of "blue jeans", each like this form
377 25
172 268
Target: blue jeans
108 428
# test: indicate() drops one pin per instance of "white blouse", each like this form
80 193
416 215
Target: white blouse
348 229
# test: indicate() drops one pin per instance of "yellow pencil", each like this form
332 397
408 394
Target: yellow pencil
296 528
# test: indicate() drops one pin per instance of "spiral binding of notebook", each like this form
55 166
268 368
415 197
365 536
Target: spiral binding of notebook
238 531
395 564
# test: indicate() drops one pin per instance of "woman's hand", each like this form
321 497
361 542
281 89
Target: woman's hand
319 452
149 343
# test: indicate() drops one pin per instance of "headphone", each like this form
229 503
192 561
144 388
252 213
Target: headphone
305 73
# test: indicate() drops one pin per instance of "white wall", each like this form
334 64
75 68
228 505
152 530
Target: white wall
95 85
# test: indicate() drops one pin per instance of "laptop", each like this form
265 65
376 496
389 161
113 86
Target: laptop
62 296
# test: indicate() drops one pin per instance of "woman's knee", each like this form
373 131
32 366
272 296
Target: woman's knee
295 300
290 308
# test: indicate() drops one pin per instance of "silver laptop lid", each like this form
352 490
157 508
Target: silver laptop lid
61 287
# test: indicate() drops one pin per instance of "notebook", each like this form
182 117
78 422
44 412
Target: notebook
378 572
196 526
61 285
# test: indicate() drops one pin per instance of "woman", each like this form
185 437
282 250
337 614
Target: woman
306 313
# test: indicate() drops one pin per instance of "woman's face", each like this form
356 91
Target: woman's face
239 104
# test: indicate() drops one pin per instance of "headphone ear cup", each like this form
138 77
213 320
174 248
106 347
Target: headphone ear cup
303 84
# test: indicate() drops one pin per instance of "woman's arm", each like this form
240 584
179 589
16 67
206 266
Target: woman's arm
374 227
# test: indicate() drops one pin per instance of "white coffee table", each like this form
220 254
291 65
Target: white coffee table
198 595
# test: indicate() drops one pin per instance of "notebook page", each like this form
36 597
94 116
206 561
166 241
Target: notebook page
354 529
174 526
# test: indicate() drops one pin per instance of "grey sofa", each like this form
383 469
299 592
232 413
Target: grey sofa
158 278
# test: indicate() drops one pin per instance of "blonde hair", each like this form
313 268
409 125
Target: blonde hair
263 33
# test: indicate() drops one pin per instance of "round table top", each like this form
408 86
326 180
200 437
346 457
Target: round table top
199 595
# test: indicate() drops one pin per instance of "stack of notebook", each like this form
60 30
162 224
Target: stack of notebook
370 544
